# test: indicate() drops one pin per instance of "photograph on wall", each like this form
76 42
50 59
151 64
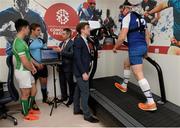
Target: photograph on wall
54 16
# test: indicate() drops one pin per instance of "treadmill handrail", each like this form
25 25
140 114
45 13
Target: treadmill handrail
161 79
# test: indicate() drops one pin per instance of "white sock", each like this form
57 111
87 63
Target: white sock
144 85
127 74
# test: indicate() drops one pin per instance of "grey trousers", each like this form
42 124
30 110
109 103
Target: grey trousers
82 92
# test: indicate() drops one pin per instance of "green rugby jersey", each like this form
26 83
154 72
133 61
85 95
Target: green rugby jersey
20 47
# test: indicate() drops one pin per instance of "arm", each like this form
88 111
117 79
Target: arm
158 16
34 63
159 8
37 65
148 39
124 31
68 54
121 38
26 63
36 44
77 56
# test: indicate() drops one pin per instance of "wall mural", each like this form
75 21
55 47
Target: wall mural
53 17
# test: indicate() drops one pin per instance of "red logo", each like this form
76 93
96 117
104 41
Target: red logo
58 17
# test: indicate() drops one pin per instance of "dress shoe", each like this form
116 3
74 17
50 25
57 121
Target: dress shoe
63 99
69 103
91 120
78 113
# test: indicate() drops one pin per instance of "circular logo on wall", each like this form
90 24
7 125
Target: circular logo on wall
58 17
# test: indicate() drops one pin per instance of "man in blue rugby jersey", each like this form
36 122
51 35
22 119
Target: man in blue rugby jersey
35 45
134 28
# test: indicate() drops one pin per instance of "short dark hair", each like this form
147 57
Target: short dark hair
68 31
121 6
33 26
20 23
81 26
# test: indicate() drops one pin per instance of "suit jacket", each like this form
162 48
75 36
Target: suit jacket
82 57
67 57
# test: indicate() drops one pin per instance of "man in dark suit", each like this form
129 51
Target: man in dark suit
82 62
66 69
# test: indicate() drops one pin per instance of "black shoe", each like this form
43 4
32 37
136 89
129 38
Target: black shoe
91 120
69 103
46 101
63 99
78 113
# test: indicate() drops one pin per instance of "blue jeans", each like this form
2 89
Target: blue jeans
82 92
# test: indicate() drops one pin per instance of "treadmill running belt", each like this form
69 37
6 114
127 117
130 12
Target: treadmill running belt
163 117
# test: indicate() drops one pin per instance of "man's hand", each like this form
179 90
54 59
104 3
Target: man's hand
57 49
146 14
85 77
146 55
114 50
34 71
40 66
174 41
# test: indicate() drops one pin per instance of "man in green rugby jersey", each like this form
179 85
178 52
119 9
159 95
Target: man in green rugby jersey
24 68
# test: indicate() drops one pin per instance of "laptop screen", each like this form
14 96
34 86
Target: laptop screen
49 55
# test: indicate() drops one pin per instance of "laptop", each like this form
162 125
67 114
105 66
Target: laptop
48 56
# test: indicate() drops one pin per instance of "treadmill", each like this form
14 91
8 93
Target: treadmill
117 109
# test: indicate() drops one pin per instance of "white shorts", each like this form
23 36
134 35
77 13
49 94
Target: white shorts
24 78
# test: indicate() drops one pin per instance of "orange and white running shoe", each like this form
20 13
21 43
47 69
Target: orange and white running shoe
147 106
34 112
120 87
31 117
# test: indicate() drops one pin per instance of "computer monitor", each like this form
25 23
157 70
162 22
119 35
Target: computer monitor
48 55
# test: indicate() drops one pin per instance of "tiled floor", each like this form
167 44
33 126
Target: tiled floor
61 117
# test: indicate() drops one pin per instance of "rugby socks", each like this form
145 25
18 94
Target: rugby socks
31 102
144 85
127 74
44 92
25 108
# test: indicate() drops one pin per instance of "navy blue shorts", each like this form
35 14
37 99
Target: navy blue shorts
136 55
41 73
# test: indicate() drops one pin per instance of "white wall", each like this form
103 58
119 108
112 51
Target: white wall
110 64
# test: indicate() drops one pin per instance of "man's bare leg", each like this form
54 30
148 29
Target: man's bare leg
150 105
127 73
